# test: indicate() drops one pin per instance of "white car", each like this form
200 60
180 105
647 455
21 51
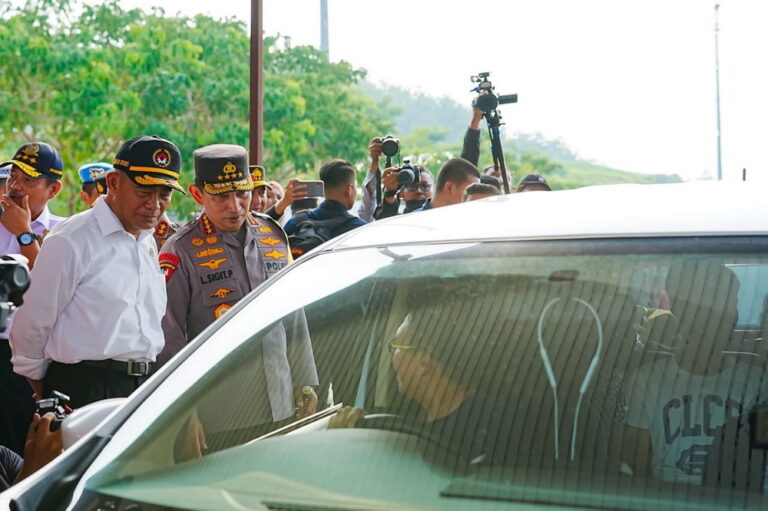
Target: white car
601 348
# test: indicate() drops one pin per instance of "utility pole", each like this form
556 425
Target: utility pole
324 46
717 91
255 143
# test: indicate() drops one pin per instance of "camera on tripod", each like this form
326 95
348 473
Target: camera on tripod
487 100
14 281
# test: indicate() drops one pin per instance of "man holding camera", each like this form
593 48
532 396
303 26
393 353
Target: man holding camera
90 323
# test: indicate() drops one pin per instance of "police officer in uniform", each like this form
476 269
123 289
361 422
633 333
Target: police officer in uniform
215 260
93 177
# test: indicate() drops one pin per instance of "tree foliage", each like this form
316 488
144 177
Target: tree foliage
87 77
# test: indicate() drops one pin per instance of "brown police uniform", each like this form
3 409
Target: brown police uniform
207 271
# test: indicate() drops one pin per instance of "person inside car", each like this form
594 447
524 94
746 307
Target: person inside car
439 372
674 406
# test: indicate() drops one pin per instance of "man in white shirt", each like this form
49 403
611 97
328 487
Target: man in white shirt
90 323
31 178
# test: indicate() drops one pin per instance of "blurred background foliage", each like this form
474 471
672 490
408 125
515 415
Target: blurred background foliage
86 77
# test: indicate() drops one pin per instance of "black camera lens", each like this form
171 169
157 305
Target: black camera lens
487 102
390 146
407 176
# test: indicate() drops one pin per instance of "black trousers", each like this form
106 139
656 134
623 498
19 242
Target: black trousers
16 403
85 384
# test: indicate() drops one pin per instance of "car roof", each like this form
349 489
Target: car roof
660 210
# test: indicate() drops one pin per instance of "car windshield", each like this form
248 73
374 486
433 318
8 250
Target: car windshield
612 374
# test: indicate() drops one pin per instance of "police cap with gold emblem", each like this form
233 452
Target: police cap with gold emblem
257 176
222 168
38 159
149 160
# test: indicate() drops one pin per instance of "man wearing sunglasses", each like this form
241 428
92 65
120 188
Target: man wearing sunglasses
415 195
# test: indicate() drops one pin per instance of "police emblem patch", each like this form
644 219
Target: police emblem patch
198 242
265 230
211 240
208 252
162 157
168 264
222 293
274 254
270 241
221 310
213 263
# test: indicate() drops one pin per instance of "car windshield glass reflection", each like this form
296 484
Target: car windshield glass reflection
619 373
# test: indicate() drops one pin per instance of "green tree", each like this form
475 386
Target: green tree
87 82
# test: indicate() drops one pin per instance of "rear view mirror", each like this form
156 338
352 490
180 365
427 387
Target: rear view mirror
84 420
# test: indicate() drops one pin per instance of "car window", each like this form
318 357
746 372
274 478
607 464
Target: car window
592 373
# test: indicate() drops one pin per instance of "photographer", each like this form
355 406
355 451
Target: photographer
470 149
41 447
415 194
368 201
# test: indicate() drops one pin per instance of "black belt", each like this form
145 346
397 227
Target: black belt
131 367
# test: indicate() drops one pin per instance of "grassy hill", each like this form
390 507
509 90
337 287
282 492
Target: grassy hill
577 173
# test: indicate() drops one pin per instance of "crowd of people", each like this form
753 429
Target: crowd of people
119 289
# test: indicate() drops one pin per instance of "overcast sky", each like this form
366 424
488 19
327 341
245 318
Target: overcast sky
626 83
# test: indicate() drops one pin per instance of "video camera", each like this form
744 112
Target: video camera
14 281
486 99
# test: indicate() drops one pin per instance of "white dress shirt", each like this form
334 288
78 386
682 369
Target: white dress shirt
97 293
10 245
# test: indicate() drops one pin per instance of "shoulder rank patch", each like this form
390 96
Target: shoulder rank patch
274 254
168 264
213 263
265 230
270 241
207 225
198 242
221 310
208 252
222 293
162 229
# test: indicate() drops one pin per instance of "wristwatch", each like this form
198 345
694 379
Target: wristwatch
26 238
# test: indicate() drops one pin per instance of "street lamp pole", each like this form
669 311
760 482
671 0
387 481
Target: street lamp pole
255 142
717 91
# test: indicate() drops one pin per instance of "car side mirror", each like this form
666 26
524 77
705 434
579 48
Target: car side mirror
84 420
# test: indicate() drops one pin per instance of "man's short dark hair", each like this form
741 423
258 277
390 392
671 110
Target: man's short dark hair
337 173
88 187
457 171
491 181
481 189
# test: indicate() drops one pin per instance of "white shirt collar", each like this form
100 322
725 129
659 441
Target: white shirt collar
108 221
44 218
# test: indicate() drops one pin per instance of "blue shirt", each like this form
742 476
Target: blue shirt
326 210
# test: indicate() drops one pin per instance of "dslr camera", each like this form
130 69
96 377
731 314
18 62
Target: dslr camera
58 404
408 173
390 146
14 281
486 99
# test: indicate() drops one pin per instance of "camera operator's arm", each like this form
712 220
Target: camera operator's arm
470 150
390 204
53 283
368 202
42 445
17 220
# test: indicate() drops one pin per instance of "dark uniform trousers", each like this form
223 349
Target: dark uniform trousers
85 383
16 403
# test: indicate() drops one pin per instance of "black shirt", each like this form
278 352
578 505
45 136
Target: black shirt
10 466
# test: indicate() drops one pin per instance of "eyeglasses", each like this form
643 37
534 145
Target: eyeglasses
402 347
424 187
